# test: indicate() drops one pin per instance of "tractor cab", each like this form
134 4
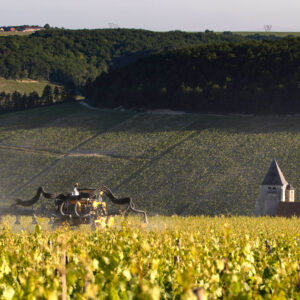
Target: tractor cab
88 203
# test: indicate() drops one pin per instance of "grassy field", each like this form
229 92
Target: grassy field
170 258
8 33
169 164
23 86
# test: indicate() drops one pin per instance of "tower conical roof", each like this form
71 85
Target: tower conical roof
274 175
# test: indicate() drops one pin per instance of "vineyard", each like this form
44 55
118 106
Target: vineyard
170 258
185 164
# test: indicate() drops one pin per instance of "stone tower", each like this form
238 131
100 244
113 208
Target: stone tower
273 190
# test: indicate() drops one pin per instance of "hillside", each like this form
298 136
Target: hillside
75 58
243 77
78 56
183 164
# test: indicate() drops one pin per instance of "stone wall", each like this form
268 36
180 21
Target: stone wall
269 198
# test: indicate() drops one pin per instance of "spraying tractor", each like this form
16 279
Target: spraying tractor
87 206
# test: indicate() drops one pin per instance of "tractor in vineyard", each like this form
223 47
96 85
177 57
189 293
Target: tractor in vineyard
85 207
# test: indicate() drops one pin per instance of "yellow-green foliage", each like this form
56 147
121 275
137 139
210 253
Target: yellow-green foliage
232 258
23 86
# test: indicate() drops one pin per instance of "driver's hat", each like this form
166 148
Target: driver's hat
76 184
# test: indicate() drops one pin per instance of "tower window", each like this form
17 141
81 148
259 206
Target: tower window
272 190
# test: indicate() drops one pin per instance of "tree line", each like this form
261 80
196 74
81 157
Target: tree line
16 101
231 77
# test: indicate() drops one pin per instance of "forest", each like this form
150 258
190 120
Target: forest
258 77
201 71
78 56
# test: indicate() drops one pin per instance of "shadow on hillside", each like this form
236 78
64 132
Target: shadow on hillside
72 115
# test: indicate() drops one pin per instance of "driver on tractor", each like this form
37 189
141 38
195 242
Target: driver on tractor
75 191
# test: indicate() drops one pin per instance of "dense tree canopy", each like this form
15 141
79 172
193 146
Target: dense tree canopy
78 56
247 77
202 71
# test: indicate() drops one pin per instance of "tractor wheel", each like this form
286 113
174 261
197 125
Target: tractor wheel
78 214
62 209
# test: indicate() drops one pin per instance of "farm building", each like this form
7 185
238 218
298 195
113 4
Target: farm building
276 196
